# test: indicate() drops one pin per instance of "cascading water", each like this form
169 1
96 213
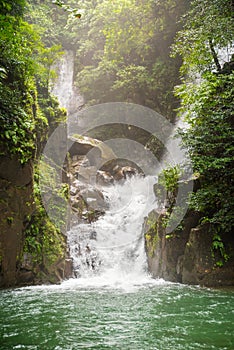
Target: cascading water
111 250
63 87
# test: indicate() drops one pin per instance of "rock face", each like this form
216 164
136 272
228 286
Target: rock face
16 203
186 255
90 167
16 206
31 274
199 259
87 188
165 252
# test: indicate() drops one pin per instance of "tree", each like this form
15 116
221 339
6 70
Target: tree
208 28
209 141
12 8
207 105
60 3
17 88
123 52
47 57
25 70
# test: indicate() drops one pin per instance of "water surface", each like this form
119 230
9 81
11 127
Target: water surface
82 314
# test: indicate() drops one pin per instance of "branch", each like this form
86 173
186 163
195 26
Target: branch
67 8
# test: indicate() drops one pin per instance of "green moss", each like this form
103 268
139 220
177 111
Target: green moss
57 193
151 236
43 241
151 239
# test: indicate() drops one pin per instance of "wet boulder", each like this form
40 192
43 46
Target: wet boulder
104 178
120 173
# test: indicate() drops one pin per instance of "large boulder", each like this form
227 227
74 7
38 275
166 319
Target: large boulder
96 151
187 254
204 265
104 178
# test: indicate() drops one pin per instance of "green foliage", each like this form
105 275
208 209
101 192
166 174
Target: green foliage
43 239
123 52
57 194
46 20
9 220
12 7
169 178
207 105
53 114
47 58
208 26
170 219
24 59
60 3
210 143
152 225
166 193
218 245
50 20
26 112
17 89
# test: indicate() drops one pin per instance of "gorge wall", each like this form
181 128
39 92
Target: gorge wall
16 188
32 249
24 256
190 254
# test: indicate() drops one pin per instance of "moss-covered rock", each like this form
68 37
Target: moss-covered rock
188 254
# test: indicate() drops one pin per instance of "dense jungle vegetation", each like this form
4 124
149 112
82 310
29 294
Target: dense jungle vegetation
207 95
174 56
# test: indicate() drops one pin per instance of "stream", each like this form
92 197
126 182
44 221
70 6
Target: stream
148 315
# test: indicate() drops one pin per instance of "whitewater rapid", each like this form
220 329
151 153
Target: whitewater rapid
111 250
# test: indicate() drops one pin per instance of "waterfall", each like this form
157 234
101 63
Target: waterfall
111 250
63 87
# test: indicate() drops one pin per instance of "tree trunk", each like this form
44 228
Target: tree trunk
215 57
